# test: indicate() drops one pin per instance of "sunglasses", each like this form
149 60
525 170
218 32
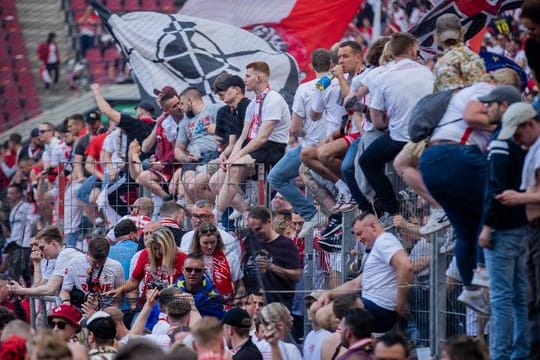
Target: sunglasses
193 270
61 324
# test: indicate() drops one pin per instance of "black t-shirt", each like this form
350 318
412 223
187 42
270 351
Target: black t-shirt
134 128
248 351
231 122
282 252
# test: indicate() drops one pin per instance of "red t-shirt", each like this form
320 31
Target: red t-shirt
144 272
94 149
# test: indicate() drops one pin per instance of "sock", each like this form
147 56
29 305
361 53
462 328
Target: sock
342 187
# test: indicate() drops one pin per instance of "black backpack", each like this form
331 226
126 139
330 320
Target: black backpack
427 114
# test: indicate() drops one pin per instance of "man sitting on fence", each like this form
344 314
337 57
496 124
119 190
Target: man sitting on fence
384 281
263 139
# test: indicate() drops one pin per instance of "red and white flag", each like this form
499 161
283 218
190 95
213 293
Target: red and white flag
474 15
294 26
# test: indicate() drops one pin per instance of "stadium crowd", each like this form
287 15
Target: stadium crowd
144 230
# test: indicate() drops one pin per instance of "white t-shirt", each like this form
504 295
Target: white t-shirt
313 343
47 268
55 152
288 351
62 261
372 78
450 129
274 108
530 165
162 326
116 144
401 87
233 251
170 128
379 280
315 130
111 277
329 103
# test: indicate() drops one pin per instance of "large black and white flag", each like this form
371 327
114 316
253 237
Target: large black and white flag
181 51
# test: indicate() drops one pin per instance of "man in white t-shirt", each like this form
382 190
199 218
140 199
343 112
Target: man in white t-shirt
56 152
308 133
94 274
314 339
326 159
51 245
263 140
387 272
400 88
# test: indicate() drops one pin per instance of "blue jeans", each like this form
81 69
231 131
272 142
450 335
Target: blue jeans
508 294
83 193
384 319
347 172
456 176
533 277
72 238
373 162
282 176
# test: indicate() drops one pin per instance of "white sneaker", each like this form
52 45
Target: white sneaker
235 215
436 221
476 300
310 225
481 277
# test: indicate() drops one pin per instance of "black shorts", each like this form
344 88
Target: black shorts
269 154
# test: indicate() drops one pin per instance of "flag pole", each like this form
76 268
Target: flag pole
376 21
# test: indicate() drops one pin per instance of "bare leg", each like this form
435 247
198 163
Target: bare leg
319 192
330 156
151 181
407 169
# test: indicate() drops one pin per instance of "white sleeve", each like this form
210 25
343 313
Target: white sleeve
61 265
272 107
377 100
387 247
133 262
289 351
317 102
299 104
69 281
185 244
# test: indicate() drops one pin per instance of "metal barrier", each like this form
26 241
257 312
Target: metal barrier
435 313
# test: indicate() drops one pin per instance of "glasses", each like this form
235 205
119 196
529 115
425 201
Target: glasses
193 270
61 324
41 131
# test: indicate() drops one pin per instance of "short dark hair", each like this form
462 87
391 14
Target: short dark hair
401 42
531 10
195 256
464 347
50 126
77 118
356 47
360 322
139 349
260 213
16 138
178 309
6 316
103 329
344 303
321 60
98 248
125 227
219 82
390 340
166 296
18 187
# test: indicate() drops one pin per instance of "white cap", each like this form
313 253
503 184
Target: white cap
516 114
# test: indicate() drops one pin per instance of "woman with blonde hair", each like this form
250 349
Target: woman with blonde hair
277 322
223 269
158 266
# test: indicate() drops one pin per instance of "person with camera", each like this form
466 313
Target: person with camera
277 321
94 274
271 261
194 281
223 269
158 266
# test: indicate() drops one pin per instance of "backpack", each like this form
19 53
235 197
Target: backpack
427 114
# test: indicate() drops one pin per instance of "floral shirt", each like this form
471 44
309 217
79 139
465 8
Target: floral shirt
458 67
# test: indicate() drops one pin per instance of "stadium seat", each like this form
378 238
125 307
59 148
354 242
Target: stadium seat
78 4
113 5
130 5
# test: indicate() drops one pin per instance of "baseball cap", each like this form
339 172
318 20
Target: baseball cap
93 116
166 90
146 105
237 317
516 114
101 325
34 132
448 27
234 80
66 312
506 93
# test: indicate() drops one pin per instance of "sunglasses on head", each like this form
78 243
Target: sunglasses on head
193 270
61 324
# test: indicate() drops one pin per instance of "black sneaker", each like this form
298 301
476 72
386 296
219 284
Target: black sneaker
334 224
332 242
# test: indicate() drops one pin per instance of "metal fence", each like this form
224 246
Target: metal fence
436 314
